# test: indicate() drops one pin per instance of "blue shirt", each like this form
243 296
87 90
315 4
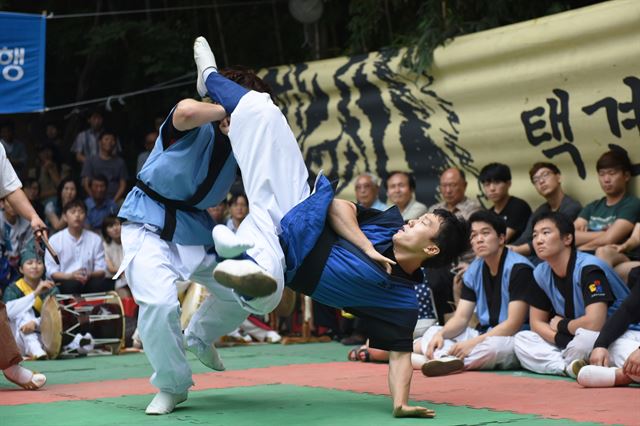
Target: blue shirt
96 214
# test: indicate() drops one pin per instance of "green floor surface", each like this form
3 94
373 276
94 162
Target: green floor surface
265 405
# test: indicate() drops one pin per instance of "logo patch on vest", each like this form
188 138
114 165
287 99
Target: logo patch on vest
595 288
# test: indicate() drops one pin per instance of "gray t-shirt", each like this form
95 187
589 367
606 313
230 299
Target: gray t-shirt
568 206
113 169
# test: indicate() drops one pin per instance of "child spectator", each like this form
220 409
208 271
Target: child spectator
15 235
113 253
98 204
82 267
31 188
238 210
24 299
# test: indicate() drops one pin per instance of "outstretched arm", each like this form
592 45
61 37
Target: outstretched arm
400 372
344 221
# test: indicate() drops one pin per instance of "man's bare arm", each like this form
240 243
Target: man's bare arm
190 114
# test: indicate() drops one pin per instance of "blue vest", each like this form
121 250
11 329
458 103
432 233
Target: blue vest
543 275
177 173
473 279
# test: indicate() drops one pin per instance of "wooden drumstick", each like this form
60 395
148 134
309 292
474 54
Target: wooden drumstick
50 249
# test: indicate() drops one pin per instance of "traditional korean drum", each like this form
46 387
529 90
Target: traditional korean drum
68 320
191 301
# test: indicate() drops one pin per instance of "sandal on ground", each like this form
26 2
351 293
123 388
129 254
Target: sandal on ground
364 355
352 355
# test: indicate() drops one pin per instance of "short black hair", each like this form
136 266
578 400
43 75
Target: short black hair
234 197
107 132
562 222
487 216
74 203
452 240
101 178
615 159
410 177
495 172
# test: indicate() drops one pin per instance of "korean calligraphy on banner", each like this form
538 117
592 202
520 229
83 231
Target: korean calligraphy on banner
563 88
22 56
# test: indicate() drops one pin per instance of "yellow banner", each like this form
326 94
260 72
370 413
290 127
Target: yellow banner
562 89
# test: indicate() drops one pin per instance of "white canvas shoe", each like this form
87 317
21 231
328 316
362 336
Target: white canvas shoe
595 376
227 243
574 367
204 58
165 403
245 277
207 354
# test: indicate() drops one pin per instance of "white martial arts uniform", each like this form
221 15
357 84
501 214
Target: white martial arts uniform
263 146
493 353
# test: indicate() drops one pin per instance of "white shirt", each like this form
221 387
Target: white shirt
9 181
85 252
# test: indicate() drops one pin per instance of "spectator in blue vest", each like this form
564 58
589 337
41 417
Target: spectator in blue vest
494 287
575 293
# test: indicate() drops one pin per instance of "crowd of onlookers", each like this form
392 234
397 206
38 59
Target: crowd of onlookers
78 193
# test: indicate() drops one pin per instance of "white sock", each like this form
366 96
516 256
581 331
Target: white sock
417 360
18 373
594 376
227 244
205 73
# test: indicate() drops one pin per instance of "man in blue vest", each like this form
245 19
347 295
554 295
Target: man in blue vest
167 236
495 287
575 293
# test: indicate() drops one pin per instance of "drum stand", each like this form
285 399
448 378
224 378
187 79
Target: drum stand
306 327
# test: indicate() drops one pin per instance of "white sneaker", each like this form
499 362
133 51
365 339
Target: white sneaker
227 243
245 277
204 58
574 367
207 354
442 366
595 376
165 402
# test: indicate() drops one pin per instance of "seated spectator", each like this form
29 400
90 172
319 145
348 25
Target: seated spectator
495 287
401 187
106 163
98 204
15 149
86 143
441 281
53 141
24 300
623 257
453 185
149 142
238 210
367 190
610 219
574 293
219 212
31 189
496 181
50 173
615 359
546 178
67 191
113 253
82 266
15 235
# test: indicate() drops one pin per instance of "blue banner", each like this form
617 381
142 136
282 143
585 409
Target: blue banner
22 49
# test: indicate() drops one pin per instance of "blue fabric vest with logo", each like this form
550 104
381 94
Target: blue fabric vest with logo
473 279
176 173
543 275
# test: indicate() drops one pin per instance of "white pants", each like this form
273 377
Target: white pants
493 353
537 355
20 312
622 347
